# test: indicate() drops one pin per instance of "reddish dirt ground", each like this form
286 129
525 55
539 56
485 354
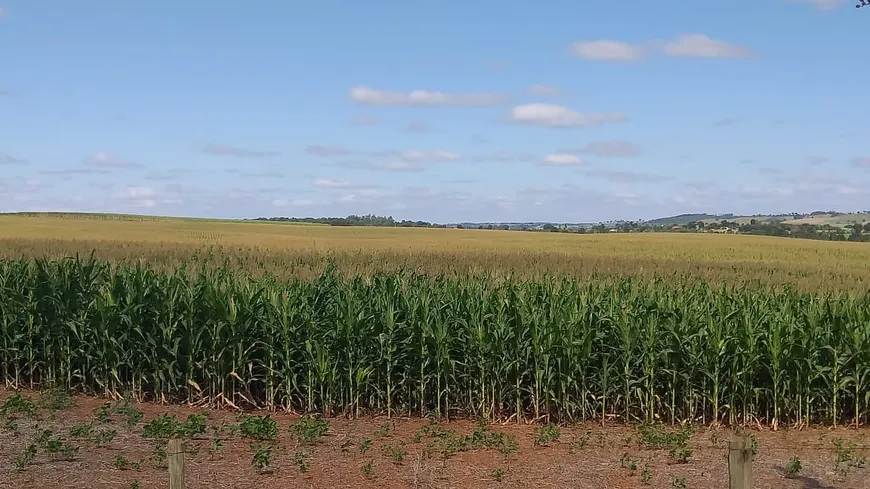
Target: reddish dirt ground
334 463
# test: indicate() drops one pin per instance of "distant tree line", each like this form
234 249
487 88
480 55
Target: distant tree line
354 220
851 232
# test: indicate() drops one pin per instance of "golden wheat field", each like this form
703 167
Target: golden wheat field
303 250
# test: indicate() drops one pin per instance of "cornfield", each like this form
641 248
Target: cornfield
409 344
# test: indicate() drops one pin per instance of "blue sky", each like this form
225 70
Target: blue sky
438 110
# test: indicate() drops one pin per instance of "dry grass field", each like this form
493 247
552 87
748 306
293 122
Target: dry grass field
302 250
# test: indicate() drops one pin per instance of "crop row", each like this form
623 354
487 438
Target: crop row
443 346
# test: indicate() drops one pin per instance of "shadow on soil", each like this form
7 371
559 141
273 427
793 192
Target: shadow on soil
805 481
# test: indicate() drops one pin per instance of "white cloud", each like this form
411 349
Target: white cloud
820 4
548 90
372 96
609 50
429 156
562 159
224 150
106 160
340 184
132 192
549 115
701 46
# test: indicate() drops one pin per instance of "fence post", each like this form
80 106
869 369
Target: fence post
176 464
739 463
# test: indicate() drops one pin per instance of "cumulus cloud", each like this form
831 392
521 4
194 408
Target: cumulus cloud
549 115
609 50
547 90
386 159
702 46
685 45
371 96
562 159
138 196
106 160
225 150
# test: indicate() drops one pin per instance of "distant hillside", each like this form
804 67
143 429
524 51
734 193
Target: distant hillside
686 218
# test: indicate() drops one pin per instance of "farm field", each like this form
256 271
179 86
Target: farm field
289 250
620 341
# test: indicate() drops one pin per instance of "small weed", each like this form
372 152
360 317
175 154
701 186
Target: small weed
302 460
105 436
217 444
365 445
678 483
396 453
131 414
262 458
10 426
646 473
134 485
681 455
793 467
258 427
655 438
309 429
162 427
582 441
368 470
81 430
629 463
25 458
626 440
16 403
120 462
103 413
166 426
345 447
548 433
846 459
158 455
383 430
56 400
58 448
498 474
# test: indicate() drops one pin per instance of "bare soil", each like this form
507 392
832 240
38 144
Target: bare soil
585 455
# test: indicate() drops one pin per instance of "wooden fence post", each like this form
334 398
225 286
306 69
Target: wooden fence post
176 464
739 463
